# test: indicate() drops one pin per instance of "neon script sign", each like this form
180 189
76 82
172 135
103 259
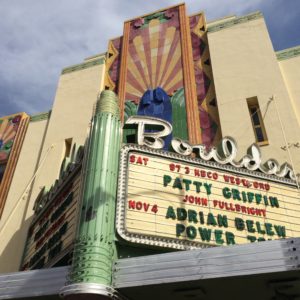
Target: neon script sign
225 153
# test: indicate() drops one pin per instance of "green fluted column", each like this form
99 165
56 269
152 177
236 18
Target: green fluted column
94 249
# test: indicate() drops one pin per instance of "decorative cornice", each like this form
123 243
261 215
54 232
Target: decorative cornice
84 65
236 21
288 53
40 116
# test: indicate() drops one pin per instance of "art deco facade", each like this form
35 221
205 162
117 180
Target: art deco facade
59 170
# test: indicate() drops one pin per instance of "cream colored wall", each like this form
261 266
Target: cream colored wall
72 111
244 65
290 69
15 221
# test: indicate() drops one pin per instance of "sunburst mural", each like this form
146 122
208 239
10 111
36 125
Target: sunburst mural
8 130
154 55
166 52
12 133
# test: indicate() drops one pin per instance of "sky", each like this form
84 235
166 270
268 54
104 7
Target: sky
40 37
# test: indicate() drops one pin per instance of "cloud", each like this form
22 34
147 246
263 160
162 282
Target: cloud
39 38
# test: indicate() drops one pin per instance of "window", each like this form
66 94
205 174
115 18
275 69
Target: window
68 144
257 121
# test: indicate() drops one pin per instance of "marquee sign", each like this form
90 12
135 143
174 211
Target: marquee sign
52 232
170 200
225 153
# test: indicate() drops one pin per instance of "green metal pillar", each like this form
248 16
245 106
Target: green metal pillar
94 249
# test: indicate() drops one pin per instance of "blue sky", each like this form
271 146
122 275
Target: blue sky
40 37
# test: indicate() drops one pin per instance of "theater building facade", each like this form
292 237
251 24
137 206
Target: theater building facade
167 167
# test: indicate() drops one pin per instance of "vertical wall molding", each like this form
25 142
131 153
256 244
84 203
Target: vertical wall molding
13 160
189 79
123 69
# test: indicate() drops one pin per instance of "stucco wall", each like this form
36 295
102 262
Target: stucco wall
72 111
290 69
245 65
16 218
44 145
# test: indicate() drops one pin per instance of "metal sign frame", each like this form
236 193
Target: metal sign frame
123 191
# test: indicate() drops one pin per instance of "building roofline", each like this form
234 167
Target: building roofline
288 53
223 19
40 116
92 57
85 65
235 21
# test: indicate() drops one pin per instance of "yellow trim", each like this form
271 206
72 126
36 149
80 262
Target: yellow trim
264 143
